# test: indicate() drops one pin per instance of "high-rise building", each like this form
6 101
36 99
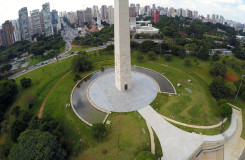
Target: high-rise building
95 11
88 17
30 26
104 13
80 18
8 33
54 20
36 22
24 24
132 10
1 37
17 33
111 15
156 16
48 29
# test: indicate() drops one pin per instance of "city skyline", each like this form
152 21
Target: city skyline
221 7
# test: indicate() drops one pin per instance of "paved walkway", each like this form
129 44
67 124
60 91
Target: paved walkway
234 147
194 126
176 144
153 150
181 145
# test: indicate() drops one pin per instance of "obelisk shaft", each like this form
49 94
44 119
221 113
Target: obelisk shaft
122 45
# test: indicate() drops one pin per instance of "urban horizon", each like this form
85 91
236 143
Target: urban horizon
85 5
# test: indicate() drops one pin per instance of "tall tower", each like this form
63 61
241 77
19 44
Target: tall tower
122 45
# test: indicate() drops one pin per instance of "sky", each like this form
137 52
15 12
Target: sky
230 9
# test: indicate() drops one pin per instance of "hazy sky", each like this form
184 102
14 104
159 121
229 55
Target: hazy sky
230 9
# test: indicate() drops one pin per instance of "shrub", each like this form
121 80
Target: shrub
151 55
139 57
17 128
187 63
168 57
217 69
145 155
99 130
25 82
225 110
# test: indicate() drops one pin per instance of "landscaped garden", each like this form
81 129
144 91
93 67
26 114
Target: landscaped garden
193 104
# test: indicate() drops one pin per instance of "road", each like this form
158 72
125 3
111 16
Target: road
61 56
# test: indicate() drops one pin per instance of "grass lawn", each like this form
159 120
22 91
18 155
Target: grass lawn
77 49
197 107
213 131
125 138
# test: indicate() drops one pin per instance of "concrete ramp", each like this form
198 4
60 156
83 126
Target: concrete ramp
176 144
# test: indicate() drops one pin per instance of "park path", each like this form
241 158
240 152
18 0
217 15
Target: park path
194 126
40 113
153 150
234 147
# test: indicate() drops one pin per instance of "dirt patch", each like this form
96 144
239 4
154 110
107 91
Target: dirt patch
40 113
231 77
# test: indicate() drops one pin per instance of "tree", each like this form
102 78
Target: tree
8 91
218 88
231 88
151 55
203 52
146 46
217 69
99 130
192 47
34 144
1 118
15 111
225 110
216 57
17 128
25 82
145 155
134 45
80 63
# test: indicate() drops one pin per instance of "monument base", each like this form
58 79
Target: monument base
104 96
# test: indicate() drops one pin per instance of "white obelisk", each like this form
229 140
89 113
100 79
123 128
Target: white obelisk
122 45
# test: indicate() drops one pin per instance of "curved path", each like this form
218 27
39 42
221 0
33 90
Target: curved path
181 145
40 113
194 126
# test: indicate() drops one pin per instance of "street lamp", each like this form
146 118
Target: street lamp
239 87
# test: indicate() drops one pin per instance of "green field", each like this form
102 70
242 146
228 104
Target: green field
125 131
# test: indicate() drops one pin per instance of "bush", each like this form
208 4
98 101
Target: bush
17 128
222 101
151 55
168 57
99 130
243 95
218 88
15 111
187 63
225 110
25 82
80 63
139 57
145 155
217 69
216 57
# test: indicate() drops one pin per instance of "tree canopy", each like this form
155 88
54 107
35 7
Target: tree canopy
34 144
